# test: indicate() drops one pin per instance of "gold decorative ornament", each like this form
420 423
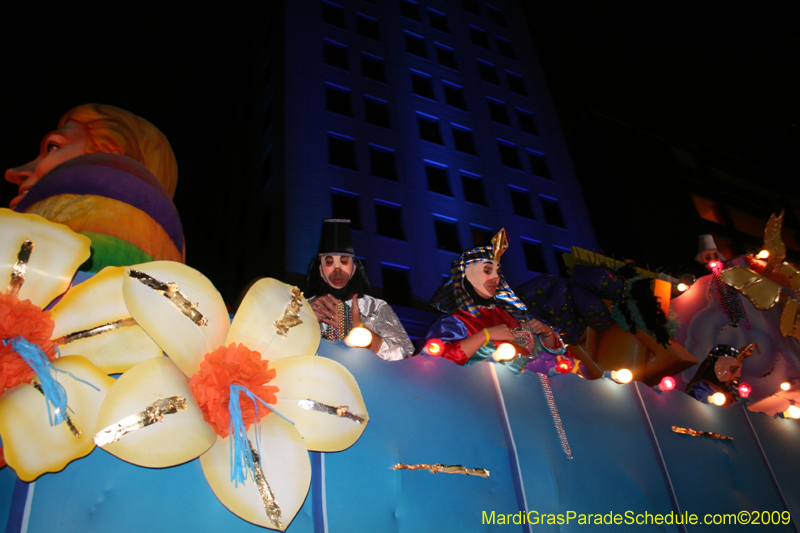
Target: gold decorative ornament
291 315
445 469
695 433
173 294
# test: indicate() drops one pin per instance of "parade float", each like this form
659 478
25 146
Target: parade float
135 403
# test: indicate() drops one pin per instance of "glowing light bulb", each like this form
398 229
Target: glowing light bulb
682 287
717 399
763 254
505 352
359 338
434 347
715 265
745 389
792 412
667 383
564 366
786 385
623 375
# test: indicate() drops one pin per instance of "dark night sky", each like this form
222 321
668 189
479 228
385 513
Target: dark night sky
724 78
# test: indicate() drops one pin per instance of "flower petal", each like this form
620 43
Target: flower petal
96 302
182 339
32 446
284 461
265 303
327 382
57 253
178 438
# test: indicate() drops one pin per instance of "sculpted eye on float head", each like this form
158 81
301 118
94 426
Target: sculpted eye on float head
59 146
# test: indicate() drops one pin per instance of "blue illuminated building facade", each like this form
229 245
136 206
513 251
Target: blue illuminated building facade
429 125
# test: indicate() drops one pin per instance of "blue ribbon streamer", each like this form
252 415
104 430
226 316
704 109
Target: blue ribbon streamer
240 457
54 393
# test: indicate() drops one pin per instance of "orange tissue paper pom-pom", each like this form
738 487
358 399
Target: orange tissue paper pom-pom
223 367
26 320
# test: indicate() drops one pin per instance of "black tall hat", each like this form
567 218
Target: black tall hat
336 237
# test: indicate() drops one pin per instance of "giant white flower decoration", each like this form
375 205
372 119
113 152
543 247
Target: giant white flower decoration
38 260
265 357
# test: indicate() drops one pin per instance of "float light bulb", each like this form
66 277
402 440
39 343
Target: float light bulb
434 347
623 375
505 352
714 265
763 254
745 389
359 338
717 398
792 412
682 287
786 385
667 383
564 366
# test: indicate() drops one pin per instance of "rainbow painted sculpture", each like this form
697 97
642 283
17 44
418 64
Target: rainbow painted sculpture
104 165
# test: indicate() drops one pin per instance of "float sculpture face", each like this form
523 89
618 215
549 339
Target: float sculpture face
59 146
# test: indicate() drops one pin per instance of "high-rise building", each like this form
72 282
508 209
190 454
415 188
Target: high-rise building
429 125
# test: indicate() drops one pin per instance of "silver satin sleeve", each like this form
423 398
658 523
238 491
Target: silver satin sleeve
379 317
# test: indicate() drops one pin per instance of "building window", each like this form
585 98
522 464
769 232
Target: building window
422 85
552 212
505 48
376 112
415 45
333 14
498 111
471 6
708 209
447 234
539 165
396 288
337 100
410 10
462 137
509 154
479 37
367 27
429 128
516 83
534 259
438 21
473 188
335 55
438 180
345 205
454 96
521 202
390 220
382 163
481 236
488 73
559 252
373 67
342 151
446 56
495 15
526 122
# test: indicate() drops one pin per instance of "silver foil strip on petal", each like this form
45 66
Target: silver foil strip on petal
171 291
341 411
154 412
